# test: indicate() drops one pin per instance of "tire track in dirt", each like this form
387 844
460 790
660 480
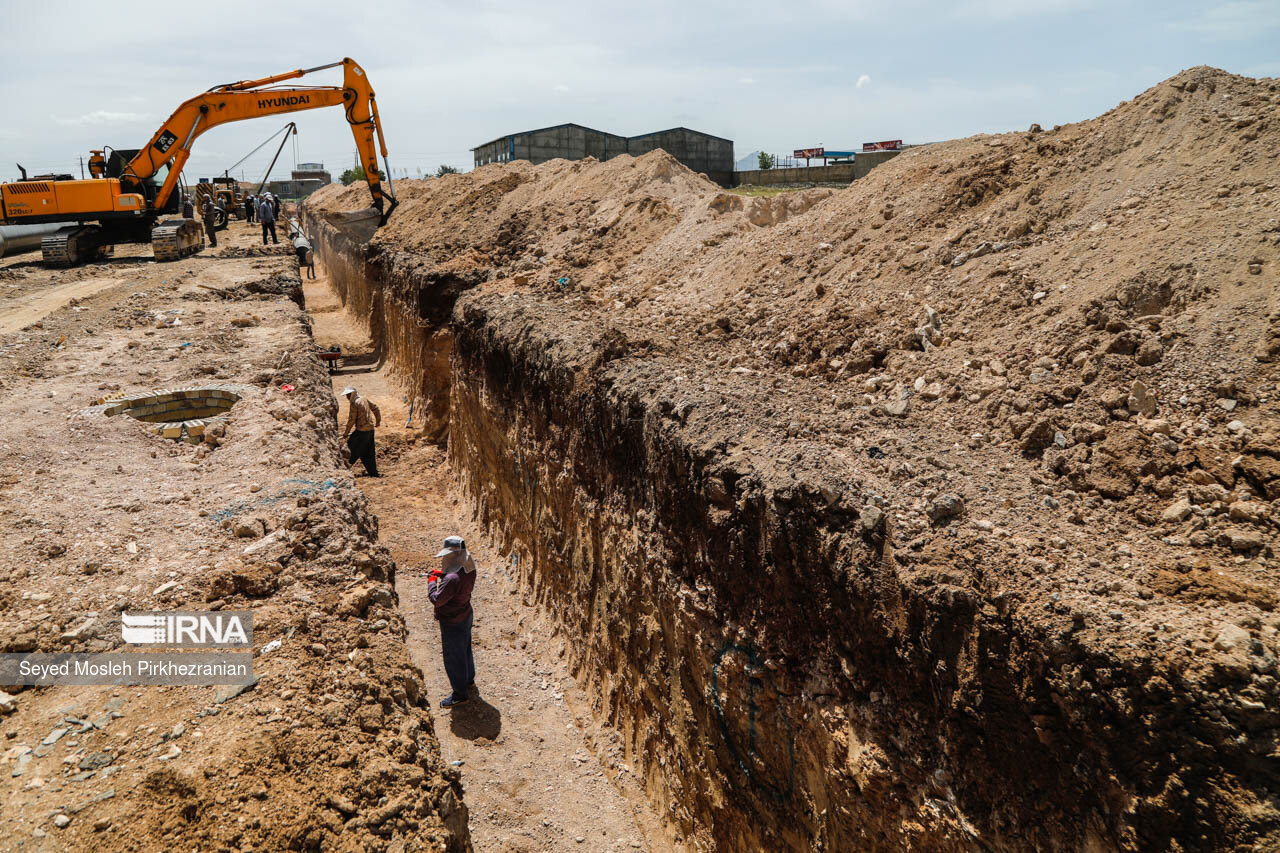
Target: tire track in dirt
29 308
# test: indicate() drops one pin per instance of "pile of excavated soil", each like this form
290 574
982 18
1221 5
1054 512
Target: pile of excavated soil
1089 310
333 745
1048 359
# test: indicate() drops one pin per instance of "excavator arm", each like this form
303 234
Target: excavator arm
171 144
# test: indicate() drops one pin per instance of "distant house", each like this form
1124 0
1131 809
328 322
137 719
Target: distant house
303 181
295 189
312 172
701 152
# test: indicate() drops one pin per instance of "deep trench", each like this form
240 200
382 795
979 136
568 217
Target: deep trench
776 682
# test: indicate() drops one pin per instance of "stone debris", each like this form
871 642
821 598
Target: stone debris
1141 399
1177 511
55 736
945 507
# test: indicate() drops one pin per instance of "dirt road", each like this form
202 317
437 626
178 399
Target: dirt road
538 774
27 308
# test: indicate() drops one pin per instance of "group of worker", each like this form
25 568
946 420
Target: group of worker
264 208
450 586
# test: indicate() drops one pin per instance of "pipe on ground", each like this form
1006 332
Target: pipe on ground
16 239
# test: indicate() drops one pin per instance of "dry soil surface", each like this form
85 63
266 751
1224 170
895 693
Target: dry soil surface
333 745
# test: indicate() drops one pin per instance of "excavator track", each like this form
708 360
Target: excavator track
70 246
176 238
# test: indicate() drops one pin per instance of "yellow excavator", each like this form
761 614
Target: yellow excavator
131 196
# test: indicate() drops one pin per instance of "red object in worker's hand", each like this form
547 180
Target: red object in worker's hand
435 575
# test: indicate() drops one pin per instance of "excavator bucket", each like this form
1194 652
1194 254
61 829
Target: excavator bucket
362 222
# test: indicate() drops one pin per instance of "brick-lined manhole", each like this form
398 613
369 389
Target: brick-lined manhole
178 413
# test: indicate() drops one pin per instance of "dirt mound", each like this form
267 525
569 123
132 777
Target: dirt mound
1139 209
255 251
584 222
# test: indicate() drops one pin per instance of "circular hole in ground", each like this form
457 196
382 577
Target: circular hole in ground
180 414
178 406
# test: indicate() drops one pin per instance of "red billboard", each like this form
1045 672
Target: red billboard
806 153
889 145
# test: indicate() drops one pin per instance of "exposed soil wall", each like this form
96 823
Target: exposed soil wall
783 679
403 319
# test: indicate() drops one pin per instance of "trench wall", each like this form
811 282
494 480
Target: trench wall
416 341
776 683
782 682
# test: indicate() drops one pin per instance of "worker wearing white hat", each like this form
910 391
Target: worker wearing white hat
362 416
449 588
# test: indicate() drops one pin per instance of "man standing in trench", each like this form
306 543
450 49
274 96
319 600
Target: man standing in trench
449 588
362 416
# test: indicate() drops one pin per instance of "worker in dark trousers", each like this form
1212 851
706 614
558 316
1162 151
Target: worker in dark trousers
249 204
267 216
449 588
362 416
275 204
209 213
306 258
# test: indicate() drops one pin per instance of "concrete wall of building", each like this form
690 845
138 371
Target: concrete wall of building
294 189
842 173
492 152
839 173
698 151
709 155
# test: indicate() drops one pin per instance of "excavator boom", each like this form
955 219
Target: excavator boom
248 99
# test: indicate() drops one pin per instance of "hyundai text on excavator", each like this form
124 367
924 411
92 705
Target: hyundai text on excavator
130 197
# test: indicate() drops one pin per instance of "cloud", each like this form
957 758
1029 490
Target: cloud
1243 19
101 117
492 76
1003 10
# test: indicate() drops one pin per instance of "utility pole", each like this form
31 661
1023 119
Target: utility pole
82 167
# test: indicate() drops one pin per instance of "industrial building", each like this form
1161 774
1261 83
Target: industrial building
701 152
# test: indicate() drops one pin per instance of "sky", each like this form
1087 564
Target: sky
449 76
